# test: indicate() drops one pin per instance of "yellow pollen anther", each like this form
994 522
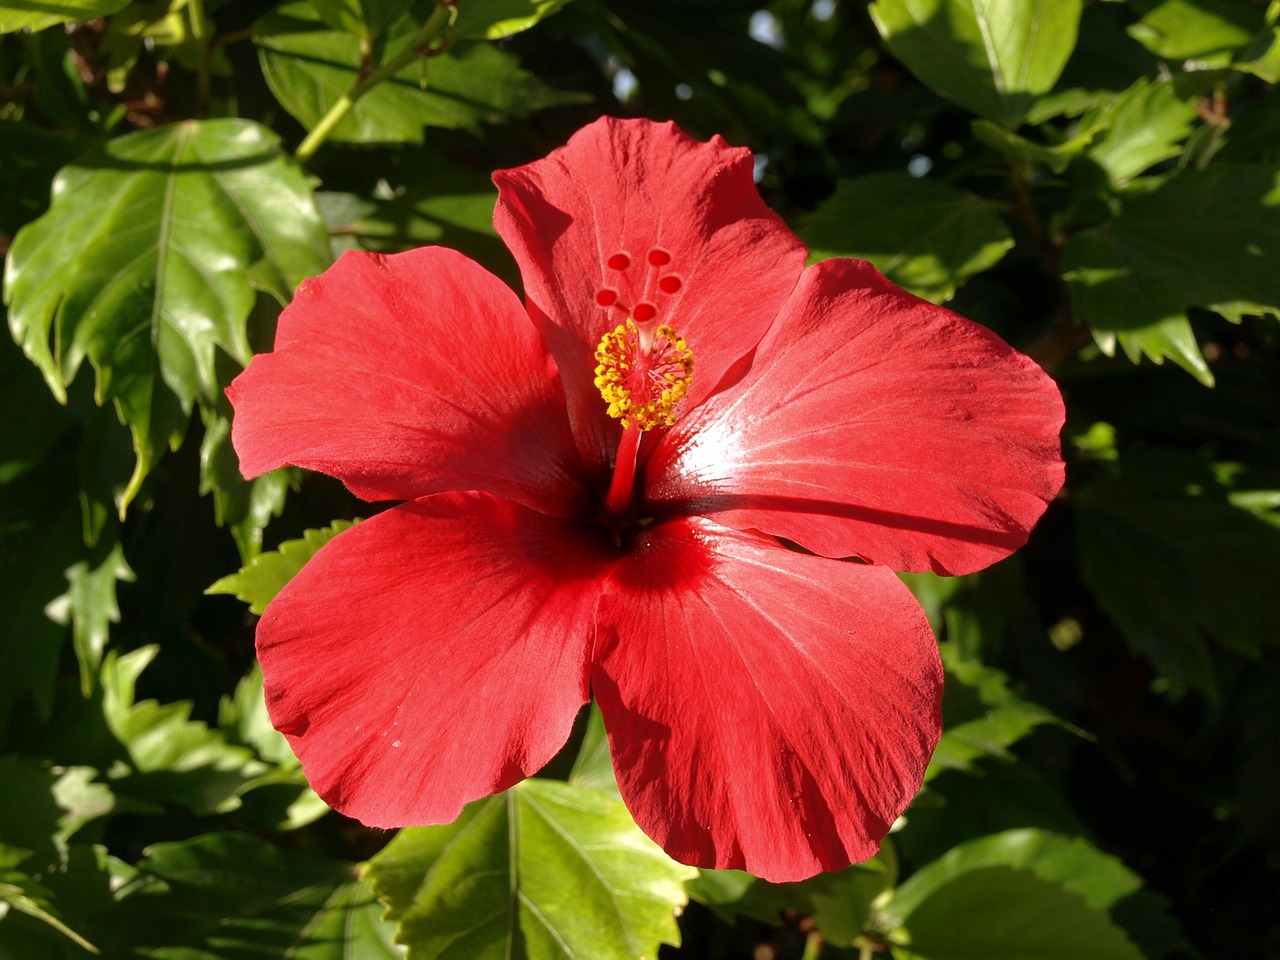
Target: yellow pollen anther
642 377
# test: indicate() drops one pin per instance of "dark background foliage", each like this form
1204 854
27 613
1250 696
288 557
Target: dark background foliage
1096 181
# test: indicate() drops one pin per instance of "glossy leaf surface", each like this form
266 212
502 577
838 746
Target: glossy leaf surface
989 56
160 239
490 885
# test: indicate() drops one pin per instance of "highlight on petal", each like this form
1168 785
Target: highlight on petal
767 710
877 425
634 219
406 375
432 655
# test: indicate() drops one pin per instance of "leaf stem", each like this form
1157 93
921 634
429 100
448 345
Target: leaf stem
813 945
416 47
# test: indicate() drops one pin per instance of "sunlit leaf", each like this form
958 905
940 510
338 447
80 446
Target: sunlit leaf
246 506
1025 153
840 904
145 265
309 66
262 578
1263 58
494 19
22 896
544 870
42 805
38 14
90 607
1200 240
924 235
991 57
1144 125
225 896
433 201
361 18
1205 32
998 911
171 757
593 766
982 717
1072 862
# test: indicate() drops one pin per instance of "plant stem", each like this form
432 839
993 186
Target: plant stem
812 947
200 32
416 47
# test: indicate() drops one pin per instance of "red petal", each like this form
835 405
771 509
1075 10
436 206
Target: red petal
432 655
636 192
405 375
876 425
767 710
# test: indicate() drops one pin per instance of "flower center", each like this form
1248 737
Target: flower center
642 372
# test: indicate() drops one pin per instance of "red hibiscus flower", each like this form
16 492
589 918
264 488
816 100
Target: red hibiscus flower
595 485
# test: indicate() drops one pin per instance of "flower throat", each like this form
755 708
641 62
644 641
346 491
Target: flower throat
642 372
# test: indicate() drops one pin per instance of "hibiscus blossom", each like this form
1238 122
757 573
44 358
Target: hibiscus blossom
596 483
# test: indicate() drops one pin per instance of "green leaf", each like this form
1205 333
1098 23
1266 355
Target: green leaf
845 903
957 806
243 717
1007 913
1146 124
973 612
593 767
1204 32
265 575
544 870
982 717
246 506
309 67
225 896
1198 240
146 261
1025 153
495 19
435 201
1173 560
1105 61
361 18
38 14
287 802
172 758
90 607
925 235
22 895
42 805
1072 862
841 903
77 893
1263 59
992 57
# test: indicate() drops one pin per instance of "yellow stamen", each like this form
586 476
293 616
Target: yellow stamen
641 377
